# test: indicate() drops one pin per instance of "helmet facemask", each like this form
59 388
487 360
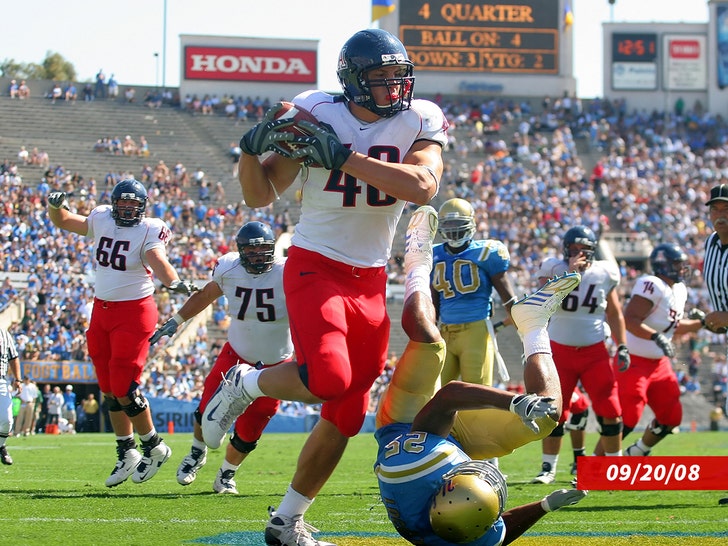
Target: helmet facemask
371 50
256 246
257 258
456 222
128 203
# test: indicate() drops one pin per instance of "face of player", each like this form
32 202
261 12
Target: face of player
127 208
386 84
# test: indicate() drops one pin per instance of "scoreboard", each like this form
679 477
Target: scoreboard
518 37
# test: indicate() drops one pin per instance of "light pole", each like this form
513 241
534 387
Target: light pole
156 68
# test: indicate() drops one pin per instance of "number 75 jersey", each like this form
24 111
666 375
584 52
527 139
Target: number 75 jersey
580 321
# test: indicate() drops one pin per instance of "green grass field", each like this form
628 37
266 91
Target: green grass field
55 494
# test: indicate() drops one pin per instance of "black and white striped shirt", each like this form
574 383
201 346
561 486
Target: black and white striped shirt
7 351
715 272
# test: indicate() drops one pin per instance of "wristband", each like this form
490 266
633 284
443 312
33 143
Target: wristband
178 319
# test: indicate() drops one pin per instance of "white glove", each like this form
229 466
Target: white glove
530 407
562 497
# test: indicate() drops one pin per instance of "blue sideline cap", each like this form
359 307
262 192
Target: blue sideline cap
718 193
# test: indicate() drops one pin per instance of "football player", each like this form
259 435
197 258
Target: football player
374 149
129 247
653 316
578 330
433 487
464 273
252 282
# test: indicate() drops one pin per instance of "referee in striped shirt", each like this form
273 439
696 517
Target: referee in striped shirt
715 265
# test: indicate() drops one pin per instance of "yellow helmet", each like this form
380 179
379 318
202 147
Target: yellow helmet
471 500
457 222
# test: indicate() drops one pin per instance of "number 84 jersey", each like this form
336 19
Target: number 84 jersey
580 321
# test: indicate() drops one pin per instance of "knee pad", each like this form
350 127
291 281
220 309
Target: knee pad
558 432
138 404
112 403
659 430
198 416
626 430
577 421
613 429
241 445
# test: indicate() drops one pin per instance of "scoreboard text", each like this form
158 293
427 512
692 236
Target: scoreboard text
519 37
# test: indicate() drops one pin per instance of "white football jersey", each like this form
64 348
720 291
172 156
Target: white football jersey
667 310
342 217
259 329
122 273
580 321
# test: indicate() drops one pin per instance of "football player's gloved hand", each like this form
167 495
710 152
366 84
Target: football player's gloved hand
266 135
623 361
167 329
185 288
323 147
663 343
562 497
697 314
530 407
57 200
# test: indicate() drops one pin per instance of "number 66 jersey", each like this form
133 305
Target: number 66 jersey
580 321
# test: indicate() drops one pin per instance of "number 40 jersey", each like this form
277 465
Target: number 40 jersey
581 320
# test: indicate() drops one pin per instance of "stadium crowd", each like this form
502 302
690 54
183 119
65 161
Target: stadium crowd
527 188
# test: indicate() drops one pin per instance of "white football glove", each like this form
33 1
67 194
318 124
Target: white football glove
562 497
530 407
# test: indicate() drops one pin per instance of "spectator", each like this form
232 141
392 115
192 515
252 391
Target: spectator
13 89
90 408
25 425
129 94
113 87
69 407
71 92
55 409
100 89
23 90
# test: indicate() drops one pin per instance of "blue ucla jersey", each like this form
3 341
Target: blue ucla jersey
463 280
410 467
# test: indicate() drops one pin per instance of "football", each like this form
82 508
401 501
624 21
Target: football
296 113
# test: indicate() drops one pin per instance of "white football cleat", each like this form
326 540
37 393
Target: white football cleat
284 531
546 476
229 401
153 458
532 312
225 482
128 460
421 231
187 471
